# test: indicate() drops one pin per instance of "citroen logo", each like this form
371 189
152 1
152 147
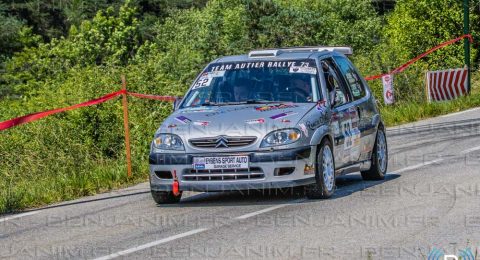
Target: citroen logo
222 141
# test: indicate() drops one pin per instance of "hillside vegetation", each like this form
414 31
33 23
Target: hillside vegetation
54 56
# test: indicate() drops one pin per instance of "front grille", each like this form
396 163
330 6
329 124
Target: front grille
223 174
223 141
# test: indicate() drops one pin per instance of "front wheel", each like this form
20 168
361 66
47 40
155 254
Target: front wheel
165 197
324 186
378 169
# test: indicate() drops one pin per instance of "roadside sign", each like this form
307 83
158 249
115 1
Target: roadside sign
388 96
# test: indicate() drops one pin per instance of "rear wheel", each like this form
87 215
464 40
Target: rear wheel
378 169
324 186
165 197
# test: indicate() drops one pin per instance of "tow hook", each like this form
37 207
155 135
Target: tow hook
176 184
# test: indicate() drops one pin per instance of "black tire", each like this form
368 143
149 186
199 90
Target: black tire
165 197
320 190
376 172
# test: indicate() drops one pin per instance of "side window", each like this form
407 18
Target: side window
336 89
351 77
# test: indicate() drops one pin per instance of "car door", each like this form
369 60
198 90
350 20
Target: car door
363 129
341 120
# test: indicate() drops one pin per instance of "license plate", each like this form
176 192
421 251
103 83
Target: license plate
220 162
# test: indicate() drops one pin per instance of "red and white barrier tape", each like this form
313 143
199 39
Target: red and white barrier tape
36 116
410 62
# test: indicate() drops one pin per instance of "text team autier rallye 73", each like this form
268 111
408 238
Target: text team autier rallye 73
271 119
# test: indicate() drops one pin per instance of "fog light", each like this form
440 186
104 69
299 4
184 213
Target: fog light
309 169
283 171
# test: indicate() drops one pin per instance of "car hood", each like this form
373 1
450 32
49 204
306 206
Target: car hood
234 120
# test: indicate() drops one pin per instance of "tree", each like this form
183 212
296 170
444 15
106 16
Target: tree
10 31
418 25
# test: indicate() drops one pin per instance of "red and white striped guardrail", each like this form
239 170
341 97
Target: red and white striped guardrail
445 85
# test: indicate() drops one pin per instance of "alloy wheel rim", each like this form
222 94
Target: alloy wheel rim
328 171
382 151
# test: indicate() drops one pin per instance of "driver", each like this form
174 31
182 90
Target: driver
241 91
302 89
330 80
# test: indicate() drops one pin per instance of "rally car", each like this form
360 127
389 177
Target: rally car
270 119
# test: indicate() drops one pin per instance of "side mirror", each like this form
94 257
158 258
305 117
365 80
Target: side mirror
177 102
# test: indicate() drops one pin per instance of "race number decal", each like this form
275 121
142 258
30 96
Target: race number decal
347 127
204 81
352 134
336 128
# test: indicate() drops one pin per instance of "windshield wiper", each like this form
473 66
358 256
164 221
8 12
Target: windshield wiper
250 101
259 101
206 104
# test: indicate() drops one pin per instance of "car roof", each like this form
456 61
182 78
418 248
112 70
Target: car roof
287 53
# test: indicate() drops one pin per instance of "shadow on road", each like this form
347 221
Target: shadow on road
346 185
84 201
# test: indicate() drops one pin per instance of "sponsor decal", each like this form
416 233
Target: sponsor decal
282 115
274 107
172 125
315 124
196 110
303 70
255 121
336 128
266 64
217 74
304 129
321 106
228 110
201 123
183 119
285 121
336 116
223 162
352 112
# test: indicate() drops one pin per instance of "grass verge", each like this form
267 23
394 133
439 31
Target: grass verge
410 112
47 172
18 193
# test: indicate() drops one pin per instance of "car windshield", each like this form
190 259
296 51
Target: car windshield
233 83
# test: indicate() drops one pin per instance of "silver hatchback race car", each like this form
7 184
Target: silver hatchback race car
271 119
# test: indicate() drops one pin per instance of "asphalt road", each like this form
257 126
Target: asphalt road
430 200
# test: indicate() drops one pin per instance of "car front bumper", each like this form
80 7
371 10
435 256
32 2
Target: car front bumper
260 175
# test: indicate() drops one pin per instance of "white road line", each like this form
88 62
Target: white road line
459 113
249 215
152 244
19 215
189 233
413 167
471 150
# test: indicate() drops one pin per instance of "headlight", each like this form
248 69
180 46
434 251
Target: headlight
281 137
168 142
